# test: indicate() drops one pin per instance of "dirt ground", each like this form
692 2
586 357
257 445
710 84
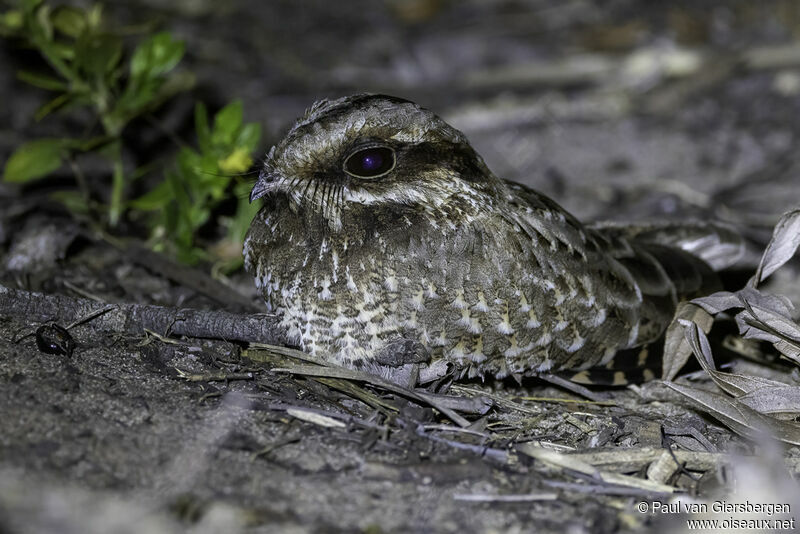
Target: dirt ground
617 109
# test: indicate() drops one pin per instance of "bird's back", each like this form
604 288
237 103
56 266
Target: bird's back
575 295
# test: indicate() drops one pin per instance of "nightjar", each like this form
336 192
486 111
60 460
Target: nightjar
385 241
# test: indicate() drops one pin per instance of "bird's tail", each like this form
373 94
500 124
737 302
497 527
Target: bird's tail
669 262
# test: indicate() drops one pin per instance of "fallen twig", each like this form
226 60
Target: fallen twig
134 319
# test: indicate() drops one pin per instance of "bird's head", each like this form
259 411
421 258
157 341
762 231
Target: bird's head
371 151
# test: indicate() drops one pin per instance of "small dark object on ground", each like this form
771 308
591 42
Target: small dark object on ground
54 339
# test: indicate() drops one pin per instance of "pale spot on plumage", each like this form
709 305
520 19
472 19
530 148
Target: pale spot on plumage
372 329
411 322
441 340
545 339
459 351
504 326
577 343
524 307
390 283
459 303
481 306
560 325
325 293
559 297
470 323
513 350
351 284
424 336
431 292
598 318
335 260
367 296
417 300
477 354
533 320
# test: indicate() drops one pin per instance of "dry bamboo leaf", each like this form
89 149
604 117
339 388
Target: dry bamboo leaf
699 345
738 417
633 460
739 385
483 497
777 317
571 462
765 317
782 247
733 384
755 297
352 374
718 302
769 318
557 459
676 348
315 418
782 399
790 350
663 468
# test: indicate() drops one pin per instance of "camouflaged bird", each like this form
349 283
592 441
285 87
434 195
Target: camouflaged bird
385 241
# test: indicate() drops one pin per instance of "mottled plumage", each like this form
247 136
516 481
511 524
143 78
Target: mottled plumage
435 259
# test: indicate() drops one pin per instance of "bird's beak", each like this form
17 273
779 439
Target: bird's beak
265 183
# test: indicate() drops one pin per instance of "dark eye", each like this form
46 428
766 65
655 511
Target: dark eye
370 162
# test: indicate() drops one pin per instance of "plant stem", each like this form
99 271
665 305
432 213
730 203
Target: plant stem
117 185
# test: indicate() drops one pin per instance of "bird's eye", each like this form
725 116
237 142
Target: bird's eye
370 162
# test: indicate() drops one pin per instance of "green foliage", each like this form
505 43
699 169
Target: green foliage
33 160
200 180
92 69
87 64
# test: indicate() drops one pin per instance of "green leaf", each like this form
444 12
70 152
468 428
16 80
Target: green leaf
61 50
94 16
34 160
98 53
30 5
201 127
227 122
157 198
249 136
237 162
43 24
72 200
42 81
145 95
53 105
11 20
245 211
175 83
156 56
68 20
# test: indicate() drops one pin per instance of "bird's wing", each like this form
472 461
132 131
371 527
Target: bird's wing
717 244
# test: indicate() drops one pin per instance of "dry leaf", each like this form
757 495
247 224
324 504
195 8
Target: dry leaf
738 417
782 247
676 348
782 399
